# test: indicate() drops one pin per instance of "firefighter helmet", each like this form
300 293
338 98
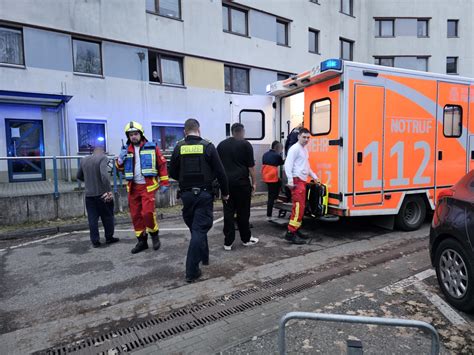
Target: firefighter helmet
134 126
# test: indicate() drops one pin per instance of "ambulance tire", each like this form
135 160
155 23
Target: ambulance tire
412 213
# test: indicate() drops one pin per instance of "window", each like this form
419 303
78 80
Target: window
236 79
422 28
346 49
234 20
282 32
452 65
452 121
166 136
386 61
320 117
453 28
281 76
90 135
11 46
254 123
313 41
168 8
165 69
347 7
87 57
384 28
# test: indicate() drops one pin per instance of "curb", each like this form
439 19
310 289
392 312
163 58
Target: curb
45 231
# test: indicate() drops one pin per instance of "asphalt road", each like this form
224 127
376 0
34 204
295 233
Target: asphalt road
58 289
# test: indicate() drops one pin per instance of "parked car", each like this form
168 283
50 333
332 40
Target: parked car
452 243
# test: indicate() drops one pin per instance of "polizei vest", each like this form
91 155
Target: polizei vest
147 161
194 170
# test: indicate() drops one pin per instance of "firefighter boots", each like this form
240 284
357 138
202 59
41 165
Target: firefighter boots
141 245
156 240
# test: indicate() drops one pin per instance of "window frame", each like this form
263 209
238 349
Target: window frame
20 29
91 121
351 42
287 76
427 27
455 63
231 67
392 58
101 75
263 123
315 2
158 57
311 117
165 124
444 118
229 20
316 33
456 22
157 11
287 36
351 6
379 27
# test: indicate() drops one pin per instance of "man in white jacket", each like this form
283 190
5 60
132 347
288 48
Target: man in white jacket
297 170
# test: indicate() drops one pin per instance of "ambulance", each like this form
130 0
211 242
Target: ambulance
384 140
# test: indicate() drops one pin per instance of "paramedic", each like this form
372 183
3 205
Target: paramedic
145 171
297 170
271 160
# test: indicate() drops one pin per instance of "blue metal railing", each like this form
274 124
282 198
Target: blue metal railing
54 159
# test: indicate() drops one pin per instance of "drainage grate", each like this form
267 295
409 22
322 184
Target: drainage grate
154 329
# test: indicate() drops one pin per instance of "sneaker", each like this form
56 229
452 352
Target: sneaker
228 247
251 242
96 244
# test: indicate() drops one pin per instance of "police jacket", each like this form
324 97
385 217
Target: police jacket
152 163
271 160
195 163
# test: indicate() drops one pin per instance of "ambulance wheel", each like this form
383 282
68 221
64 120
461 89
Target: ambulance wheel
411 214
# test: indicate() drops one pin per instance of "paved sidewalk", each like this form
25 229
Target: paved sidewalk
15 189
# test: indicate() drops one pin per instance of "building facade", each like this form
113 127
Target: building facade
73 73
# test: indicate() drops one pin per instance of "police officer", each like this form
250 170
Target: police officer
196 164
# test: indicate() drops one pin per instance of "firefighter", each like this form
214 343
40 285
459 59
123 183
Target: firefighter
297 170
196 164
145 171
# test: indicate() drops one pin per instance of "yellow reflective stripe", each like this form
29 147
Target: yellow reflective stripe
146 171
138 233
295 224
154 186
165 177
192 149
156 228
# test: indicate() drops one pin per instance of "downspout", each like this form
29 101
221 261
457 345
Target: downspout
66 133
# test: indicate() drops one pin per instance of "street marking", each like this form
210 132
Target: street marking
390 289
442 306
37 241
218 220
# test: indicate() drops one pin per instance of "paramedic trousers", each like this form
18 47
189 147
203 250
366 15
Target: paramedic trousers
237 208
142 209
97 207
273 192
197 214
298 196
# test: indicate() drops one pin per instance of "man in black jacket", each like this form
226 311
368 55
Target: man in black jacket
196 164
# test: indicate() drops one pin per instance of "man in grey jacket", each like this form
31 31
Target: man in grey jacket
99 197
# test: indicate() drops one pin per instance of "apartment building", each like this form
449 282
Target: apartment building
72 73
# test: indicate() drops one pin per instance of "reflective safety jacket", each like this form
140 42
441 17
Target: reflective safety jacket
271 160
152 163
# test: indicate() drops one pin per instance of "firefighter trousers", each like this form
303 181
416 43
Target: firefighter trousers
142 209
298 197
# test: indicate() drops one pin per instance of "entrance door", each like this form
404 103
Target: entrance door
368 145
452 141
25 139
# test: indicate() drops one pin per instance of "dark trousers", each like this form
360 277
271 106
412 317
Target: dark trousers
96 207
273 192
237 207
197 214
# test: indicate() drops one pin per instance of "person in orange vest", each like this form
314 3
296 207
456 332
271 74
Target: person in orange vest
271 160
145 171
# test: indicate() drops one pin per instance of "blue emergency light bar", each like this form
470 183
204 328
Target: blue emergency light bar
335 64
